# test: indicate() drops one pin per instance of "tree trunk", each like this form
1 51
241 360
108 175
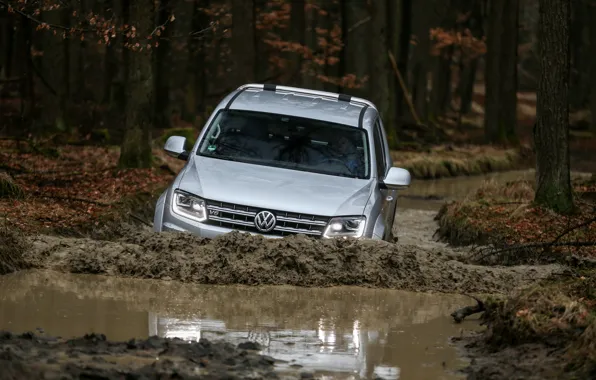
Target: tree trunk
333 17
163 63
65 13
379 61
403 57
441 90
501 72
51 75
25 63
243 42
136 146
422 19
469 65
592 27
466 86
581 56
297 27
395 21
197 62
110 61
356 36
508 106
7 40
310 78
492 71
553 183
445 18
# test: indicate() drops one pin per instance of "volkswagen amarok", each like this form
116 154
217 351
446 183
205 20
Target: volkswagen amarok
277 160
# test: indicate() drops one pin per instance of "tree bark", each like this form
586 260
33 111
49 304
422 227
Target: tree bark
469 65
397 26
356 34
592 28
441 90
553 183
445 18
333 17
297 26
508 107
379 60
197 61
403 57
7 40
110 61
135 150
581 56
243 41
422 21
51 74
163 63
466 86
501 72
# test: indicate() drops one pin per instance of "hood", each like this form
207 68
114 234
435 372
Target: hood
275 188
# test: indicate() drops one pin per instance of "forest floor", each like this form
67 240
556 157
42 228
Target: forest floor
544 330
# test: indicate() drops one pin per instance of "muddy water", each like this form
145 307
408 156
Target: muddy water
431 194
343 332
340 332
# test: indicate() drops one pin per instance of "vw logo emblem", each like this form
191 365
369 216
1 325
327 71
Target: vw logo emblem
265 221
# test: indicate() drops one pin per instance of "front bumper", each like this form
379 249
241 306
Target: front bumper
205 230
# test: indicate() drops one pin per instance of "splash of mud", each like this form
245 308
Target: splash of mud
92 356
237 258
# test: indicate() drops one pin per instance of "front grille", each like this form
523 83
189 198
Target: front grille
238 217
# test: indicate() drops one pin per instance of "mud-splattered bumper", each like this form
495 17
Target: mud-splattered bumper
204 230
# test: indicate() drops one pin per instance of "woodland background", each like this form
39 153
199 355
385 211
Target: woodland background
65 65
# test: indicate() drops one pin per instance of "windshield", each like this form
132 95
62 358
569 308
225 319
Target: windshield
287 142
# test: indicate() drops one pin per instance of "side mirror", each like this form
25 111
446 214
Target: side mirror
397 179
174 147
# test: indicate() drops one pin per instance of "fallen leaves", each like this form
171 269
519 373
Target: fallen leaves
492 210
72 189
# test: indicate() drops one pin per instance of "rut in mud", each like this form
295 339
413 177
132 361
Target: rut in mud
237 258
92 356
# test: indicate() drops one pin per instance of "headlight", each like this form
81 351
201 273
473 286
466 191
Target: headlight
189 206
346 226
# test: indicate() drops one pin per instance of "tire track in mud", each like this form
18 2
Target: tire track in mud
416 263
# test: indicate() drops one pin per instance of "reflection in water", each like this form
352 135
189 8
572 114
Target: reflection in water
343 332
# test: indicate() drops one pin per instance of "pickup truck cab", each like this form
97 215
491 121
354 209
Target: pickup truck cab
276 160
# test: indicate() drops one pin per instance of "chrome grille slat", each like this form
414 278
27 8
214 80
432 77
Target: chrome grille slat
231 215
232 221
298 231
301 221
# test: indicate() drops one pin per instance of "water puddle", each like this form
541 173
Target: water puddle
431 194
344 332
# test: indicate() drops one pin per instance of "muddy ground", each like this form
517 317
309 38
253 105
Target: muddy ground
93 357
416 263
531 361
237 258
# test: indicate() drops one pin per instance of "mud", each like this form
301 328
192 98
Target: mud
336 332
238 258
531 361
12 247
94 357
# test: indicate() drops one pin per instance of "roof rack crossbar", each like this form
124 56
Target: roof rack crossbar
340 97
